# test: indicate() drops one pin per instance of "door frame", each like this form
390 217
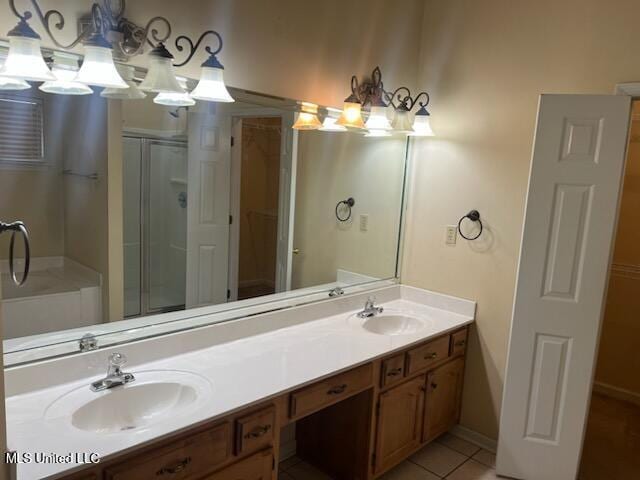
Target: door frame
234 201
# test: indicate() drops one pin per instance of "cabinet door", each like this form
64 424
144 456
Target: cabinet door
444 389
399 427
255 467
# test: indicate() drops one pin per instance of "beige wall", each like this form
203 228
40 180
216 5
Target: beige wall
619 356
485 63
301 50
332 167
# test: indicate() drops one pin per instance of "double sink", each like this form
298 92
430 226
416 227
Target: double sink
156 395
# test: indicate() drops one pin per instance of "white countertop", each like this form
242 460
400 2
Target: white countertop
241 372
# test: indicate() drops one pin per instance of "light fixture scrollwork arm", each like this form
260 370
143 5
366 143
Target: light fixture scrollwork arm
193 48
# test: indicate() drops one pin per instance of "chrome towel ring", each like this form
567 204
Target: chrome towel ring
14 228
474 216
346 206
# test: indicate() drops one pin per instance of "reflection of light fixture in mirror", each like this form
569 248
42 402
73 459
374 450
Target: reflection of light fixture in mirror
65 68
176 99
211 87
378 133
97 67
329 122
161 77
8 83
421 124
308 117
24 60
127 72
402 120
378 118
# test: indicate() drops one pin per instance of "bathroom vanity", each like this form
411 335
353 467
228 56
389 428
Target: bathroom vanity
364 395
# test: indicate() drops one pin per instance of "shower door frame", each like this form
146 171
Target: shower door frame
146 140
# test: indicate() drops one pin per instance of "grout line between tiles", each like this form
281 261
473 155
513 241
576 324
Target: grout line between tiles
459 466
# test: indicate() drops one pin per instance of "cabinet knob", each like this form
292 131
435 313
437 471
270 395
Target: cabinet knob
431 356
434 385
337 389
178 467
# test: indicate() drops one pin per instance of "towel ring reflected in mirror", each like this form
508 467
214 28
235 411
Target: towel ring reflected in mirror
15 228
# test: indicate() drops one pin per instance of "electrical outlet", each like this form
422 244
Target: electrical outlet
364 222
451 234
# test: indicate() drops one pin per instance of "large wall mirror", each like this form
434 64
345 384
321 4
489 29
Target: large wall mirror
142 215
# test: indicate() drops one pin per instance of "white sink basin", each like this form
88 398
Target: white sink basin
153 397
392 324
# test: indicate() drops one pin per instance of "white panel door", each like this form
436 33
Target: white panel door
208 206
286 202
574 188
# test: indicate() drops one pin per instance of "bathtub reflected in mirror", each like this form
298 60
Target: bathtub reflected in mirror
143 216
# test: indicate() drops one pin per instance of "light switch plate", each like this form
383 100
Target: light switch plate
451 235
364 222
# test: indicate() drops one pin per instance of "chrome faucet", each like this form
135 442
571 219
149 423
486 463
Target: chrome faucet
115 376
370 310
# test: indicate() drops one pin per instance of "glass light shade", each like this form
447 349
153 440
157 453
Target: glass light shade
98 69
25 61
351 115
378 119
8 83
402 121
64 84
161 77
127 72
378 133
329 125
211 87
422 127
308 117
174 99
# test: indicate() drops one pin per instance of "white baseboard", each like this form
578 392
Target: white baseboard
617 393
475 438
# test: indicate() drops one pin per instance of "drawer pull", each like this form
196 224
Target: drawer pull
337 389
434 386
460 343
178 467
431 356
258 432
395 372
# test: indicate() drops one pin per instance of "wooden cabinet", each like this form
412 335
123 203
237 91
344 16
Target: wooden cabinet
256 467
399 426
442 408
459 342
255 431
332 390
428 355
392 370
184 459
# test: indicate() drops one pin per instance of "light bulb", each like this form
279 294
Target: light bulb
308 117
24 60
211 87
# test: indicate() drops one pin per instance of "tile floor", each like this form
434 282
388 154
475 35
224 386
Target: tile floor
449 457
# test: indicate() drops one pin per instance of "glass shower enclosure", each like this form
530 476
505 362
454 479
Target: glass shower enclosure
154 225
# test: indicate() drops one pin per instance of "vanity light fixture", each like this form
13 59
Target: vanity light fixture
111 35
127 72
421 123
403 103
65 68
173 99
211 87
8 83
308 117
329 122
24 60
352 109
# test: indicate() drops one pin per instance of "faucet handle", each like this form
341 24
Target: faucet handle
117 359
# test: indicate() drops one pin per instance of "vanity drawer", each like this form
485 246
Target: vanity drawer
189 458
332 390
255 431
458 342
256 467
428 354
392 370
